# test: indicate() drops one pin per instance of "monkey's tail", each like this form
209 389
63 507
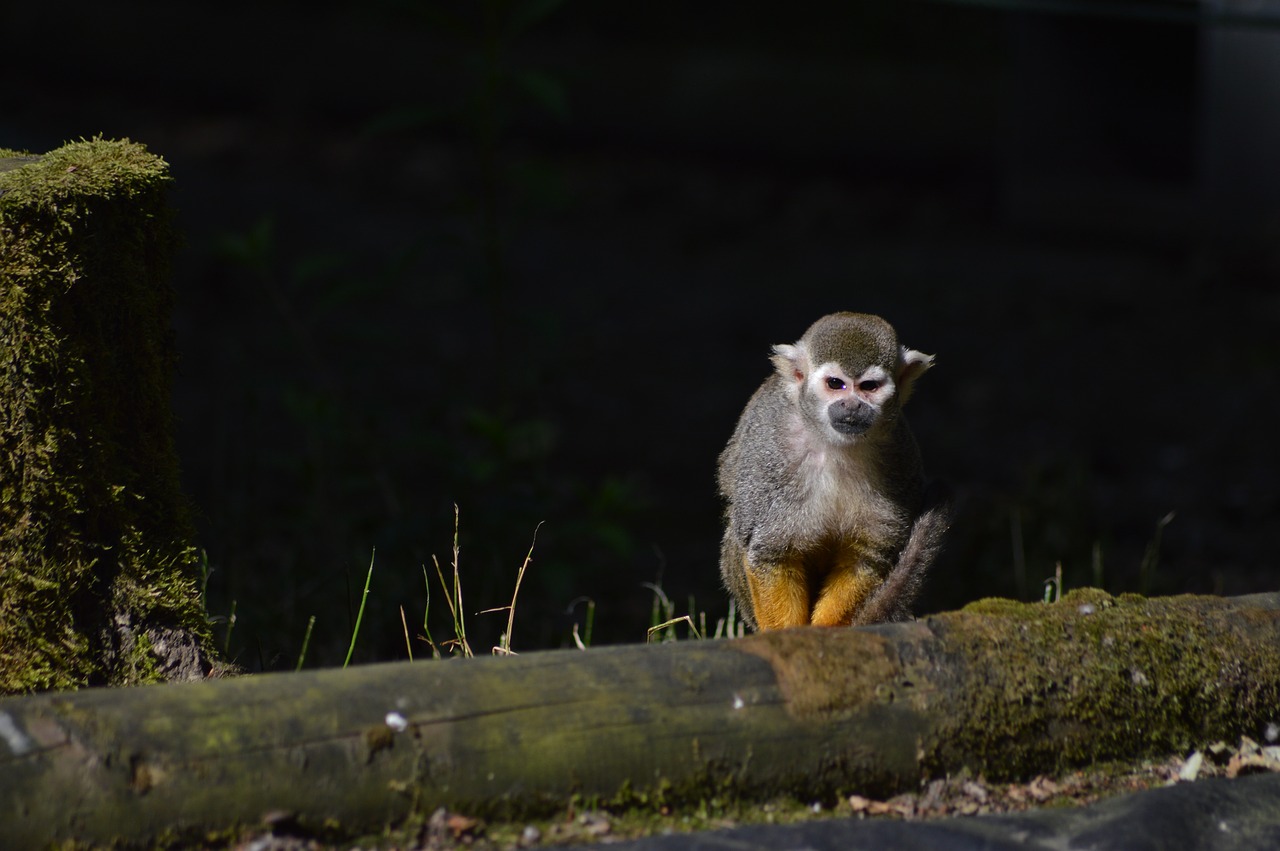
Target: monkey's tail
893 599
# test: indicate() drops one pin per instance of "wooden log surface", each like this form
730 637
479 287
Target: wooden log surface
9 163
1003 688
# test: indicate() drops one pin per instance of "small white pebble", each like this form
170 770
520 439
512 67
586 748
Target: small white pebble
530 835
1272 732
19 742
738 702
1191 767
816 807
1086 609
397 722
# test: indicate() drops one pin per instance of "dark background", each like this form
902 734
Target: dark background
528 258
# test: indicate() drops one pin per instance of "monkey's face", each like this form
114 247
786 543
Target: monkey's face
849 406
848 376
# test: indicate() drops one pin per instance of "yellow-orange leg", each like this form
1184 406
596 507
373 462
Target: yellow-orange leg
843 592
779 594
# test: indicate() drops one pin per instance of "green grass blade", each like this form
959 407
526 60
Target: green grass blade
360 612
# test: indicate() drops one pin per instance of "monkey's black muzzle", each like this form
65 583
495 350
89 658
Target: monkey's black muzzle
851 416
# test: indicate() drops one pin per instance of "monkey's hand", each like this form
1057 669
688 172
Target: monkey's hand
892 600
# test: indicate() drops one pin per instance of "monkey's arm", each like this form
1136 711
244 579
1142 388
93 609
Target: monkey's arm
892 600
759 564
779 593
760 569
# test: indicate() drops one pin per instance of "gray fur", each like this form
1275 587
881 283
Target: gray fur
892 601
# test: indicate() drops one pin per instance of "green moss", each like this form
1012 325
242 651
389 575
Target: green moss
96 553
1012 608
1094 678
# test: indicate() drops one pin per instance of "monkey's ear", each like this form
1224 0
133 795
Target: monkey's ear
911 365
791 362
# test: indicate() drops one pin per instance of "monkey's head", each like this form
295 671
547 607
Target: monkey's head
848 376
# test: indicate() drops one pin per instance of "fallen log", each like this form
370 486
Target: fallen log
1002 688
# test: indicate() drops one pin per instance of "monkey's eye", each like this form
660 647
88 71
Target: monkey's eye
835 384
869 386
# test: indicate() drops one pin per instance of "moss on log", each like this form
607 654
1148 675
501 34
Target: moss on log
98 574
1003 688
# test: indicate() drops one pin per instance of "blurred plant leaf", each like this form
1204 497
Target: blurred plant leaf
434 14
408 118
546 90
309 267
252 249
529 13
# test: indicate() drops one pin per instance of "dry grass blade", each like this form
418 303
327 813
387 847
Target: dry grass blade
583 641
407 644
453 596
504 643
653 630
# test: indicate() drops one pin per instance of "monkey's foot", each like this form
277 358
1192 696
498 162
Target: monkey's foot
843 592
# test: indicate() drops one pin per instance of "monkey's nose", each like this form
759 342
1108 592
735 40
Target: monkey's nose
851 417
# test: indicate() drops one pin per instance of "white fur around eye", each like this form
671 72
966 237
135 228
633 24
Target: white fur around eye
883 381
822 378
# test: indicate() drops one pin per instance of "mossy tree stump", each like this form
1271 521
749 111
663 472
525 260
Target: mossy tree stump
99 578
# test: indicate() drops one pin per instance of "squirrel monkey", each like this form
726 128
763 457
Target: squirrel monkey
829 521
